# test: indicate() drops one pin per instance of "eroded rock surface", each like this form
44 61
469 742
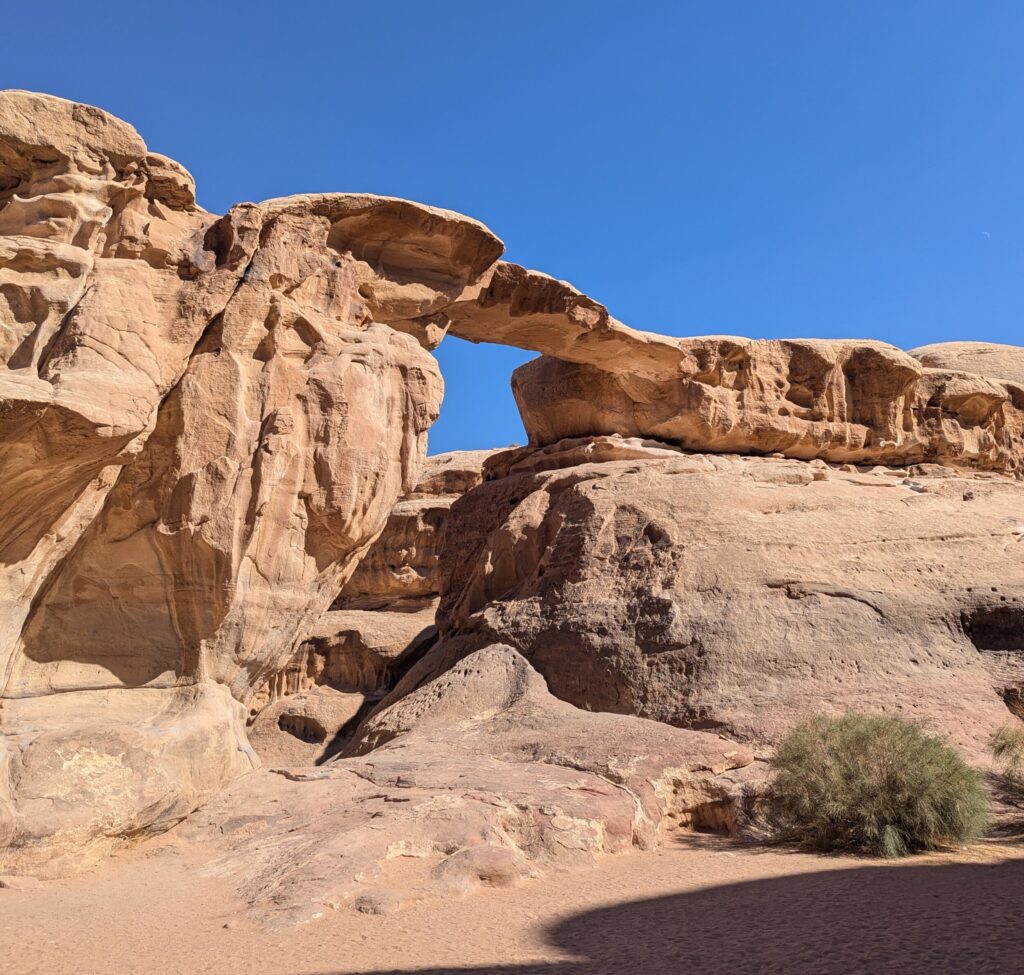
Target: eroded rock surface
1002 362
481 777
89 770
381 622
401 565
843 402
740 593
206 423
212 434
306 727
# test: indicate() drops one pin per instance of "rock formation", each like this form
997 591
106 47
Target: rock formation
219 541
739 593
205 422
843 402
1003 362
381 622
481 777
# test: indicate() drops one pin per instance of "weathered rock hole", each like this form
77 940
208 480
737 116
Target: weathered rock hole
303 727
219 240
996 628
715 816
800 395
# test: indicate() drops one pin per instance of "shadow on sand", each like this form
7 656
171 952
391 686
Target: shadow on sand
907 919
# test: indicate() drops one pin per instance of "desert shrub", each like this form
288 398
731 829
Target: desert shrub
872 784
1007 746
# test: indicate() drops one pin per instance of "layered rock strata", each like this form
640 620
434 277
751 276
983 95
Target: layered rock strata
839 401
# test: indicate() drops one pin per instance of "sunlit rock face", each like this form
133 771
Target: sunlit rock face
994 361
738 594
859 402
381 621
839 401
206 421
481 778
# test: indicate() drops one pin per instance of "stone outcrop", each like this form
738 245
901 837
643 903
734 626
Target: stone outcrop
740 593
480 778
205 424
839 401
401 566
842 401
1000 362
87 772
306 727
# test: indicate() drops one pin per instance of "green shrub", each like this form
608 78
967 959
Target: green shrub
1007 746
872 784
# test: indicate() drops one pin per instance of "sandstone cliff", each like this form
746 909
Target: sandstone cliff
206 422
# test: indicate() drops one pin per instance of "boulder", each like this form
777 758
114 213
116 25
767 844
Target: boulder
85 771
305 728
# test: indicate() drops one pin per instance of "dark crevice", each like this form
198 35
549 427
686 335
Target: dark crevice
303 727
996 628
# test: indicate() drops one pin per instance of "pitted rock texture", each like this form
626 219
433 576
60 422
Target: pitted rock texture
739 594
480 778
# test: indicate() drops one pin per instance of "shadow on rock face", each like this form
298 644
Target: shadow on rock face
906 918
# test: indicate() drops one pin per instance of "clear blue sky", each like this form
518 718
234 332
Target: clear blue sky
748 167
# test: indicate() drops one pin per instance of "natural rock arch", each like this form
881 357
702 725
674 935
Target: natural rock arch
205 422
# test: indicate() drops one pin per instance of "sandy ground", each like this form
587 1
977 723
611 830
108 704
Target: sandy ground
702 904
